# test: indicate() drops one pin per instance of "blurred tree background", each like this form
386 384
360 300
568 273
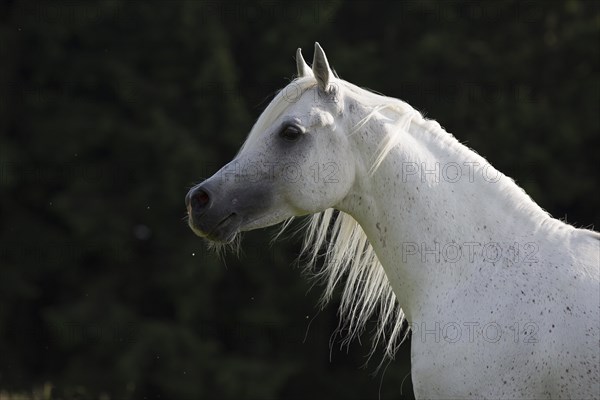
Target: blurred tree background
110 111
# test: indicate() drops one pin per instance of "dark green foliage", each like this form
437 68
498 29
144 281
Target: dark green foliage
110 111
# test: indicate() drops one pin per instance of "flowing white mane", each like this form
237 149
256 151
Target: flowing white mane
366 290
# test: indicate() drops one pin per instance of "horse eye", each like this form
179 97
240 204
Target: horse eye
290 133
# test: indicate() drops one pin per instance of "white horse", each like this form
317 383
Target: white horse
503 301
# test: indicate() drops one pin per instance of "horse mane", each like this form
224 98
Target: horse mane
347 252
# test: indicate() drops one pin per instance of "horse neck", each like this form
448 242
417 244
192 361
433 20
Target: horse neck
430 196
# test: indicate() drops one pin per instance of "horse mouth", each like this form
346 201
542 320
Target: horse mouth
224 231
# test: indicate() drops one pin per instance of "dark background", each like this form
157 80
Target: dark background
110 111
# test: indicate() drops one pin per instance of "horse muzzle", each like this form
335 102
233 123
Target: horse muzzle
209 218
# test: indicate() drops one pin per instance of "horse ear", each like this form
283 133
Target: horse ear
320 68
301 65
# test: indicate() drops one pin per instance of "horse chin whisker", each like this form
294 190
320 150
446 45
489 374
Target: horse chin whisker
221 248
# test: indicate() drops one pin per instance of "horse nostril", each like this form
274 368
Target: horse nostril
199 200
